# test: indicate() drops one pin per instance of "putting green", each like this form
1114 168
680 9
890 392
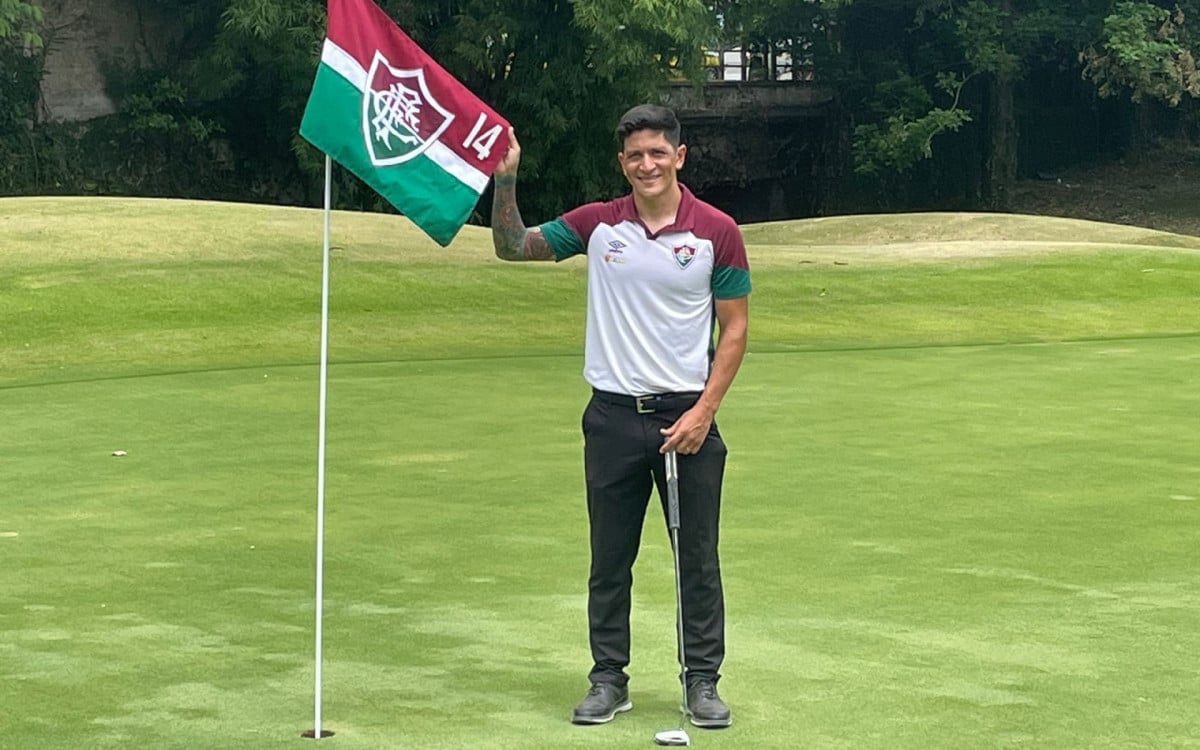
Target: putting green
958 513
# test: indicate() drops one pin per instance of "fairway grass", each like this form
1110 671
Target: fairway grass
960 513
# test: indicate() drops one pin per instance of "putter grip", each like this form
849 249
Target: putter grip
673 503
672 492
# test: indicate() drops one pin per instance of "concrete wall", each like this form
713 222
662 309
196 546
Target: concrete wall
725 100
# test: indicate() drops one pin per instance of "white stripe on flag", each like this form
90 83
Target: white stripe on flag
344 64
446 158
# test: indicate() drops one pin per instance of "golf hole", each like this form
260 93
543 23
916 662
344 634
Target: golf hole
312 735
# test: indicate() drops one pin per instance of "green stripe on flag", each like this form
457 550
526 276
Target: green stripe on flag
433 199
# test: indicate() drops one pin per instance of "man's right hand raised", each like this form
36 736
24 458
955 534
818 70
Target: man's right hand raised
509 235
512 157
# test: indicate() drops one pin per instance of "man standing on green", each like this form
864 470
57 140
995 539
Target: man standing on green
663 267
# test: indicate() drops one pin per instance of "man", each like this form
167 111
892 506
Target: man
661 264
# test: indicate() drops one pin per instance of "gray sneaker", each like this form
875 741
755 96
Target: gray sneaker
602 702
705 708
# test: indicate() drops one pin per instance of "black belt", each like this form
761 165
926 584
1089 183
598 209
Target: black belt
652 403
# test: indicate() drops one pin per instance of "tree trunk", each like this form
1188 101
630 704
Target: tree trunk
1000 162
1144 128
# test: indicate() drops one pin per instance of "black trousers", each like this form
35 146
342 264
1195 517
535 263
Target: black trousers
623 465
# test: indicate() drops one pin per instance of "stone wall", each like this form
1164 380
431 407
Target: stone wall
80 35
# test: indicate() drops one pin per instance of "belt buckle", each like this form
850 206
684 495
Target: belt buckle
642 408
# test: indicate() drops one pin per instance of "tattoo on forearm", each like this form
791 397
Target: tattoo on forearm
536 247
508 230
509 235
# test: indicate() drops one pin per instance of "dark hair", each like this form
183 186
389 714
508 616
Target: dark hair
649 117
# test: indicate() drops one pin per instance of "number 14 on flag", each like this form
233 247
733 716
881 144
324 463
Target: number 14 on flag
482 142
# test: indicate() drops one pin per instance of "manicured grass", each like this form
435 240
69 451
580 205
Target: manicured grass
960 506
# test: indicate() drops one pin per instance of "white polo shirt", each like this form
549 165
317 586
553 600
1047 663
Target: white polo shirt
650 306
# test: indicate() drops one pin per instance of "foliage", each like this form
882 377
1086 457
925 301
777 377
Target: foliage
617 52
917 82
20 72
20 23
530 60
910 123
21 58
118 155
775 28
986 45
902 90
1146 50
945 82
900 115
162 110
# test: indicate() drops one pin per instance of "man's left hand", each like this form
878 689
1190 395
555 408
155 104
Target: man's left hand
688 433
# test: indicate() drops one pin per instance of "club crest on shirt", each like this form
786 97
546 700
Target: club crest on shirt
684 255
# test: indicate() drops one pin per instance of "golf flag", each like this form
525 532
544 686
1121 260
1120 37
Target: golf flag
390 114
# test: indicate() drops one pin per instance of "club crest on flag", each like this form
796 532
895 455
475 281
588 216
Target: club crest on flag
400 117
386 111
684 255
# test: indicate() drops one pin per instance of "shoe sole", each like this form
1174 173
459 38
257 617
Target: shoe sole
709 723
577 719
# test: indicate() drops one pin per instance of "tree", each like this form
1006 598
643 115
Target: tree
953 64
20 62
20 22
899 72
1146 51
560 71
919 76
564 72
934 93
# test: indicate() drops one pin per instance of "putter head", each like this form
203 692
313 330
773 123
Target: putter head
672 737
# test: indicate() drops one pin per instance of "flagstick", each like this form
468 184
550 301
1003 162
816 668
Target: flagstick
316 730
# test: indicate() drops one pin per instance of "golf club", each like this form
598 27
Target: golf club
678 736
